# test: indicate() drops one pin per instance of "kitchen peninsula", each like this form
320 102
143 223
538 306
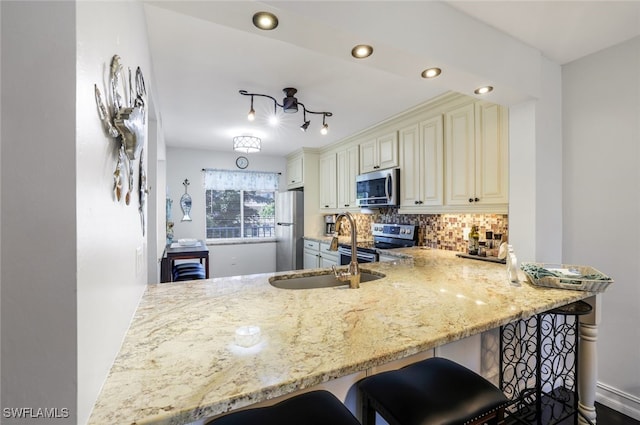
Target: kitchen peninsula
179 362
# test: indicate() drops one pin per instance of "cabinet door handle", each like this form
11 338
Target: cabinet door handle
346 205
470 199
326 206
416 202
476 199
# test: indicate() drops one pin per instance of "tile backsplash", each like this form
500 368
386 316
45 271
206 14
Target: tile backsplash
443 231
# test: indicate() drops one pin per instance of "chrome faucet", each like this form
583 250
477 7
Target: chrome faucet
353 272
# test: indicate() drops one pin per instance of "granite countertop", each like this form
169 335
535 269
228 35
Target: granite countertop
179 363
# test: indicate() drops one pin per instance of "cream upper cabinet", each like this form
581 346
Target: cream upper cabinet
347 169
492 153
421 162
476 155
295 172
379 153
327 183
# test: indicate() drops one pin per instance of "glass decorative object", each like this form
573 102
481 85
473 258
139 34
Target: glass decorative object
169 204
185 202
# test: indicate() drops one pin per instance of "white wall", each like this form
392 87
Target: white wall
522 179
535 171
0 205
548 119
225 260
188 164
156 210
242 259
601 96
38 180
111 276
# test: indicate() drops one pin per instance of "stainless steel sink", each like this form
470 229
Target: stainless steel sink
324 280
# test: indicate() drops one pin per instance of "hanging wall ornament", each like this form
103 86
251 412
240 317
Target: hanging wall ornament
143 190
124 119
185 202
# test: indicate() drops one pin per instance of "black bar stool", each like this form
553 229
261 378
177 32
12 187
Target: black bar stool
312 408
188 271
539 366
434 391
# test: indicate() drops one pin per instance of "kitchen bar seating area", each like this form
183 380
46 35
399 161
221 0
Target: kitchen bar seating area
323 338
485 148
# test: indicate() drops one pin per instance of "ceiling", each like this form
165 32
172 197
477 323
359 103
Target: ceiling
204 52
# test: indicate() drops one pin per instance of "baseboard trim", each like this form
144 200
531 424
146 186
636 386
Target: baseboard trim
620 401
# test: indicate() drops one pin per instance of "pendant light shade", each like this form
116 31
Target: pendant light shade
247 144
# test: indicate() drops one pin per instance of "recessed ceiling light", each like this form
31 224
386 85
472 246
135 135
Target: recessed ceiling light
361 51
265 20
431 72
483 90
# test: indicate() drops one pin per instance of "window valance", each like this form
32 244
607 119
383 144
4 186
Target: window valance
240 180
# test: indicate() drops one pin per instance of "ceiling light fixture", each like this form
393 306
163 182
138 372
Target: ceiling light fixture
289 105
431 72
265 20
362 51
483 90
252 113
247 144
325 127
306 123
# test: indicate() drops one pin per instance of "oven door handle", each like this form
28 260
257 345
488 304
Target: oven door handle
369 257
366 256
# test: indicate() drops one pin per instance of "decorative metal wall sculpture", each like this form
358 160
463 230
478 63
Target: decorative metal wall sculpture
143 190
185 202
124 119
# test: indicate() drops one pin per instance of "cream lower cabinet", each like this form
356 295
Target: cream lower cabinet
347 170
421 161
328 258
327 183
311 254
476 155
317 254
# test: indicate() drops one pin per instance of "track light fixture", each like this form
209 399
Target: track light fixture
305 123
252 112
325 127
289 105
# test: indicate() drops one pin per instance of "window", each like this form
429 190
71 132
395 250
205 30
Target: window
240 204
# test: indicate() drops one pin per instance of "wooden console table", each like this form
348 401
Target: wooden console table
175 252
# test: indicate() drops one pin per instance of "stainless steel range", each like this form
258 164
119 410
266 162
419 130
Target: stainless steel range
389 236
385 236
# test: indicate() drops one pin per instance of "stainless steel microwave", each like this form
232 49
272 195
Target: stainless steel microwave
378 188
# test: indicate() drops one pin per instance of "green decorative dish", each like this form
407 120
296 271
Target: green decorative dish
566 276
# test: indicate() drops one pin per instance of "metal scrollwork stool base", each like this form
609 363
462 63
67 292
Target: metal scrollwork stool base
539 366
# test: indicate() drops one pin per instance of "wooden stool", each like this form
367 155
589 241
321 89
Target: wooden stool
312 408
434 391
